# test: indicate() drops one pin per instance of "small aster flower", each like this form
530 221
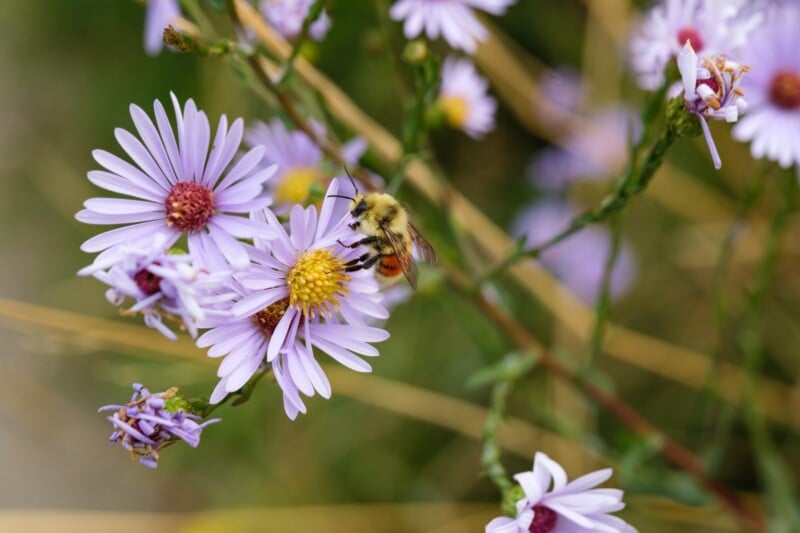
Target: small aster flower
296 296
159 15
578 261
301 165
151 422
772 124
452 19
184 185
710 90
713 27
287 17
162 284
464 98
567 507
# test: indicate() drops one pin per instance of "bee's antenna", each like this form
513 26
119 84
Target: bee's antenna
352 181
340 196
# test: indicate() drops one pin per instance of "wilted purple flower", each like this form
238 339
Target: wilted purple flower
579 260
710 90
181 186
464 98
452 19
713 27
574 507
287 17
772 124
301 165
162 284
159 15
295 297
151 422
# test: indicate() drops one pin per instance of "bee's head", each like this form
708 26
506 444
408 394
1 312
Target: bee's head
358 205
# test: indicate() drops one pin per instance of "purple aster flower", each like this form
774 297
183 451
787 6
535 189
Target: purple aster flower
713 27
184 185
578 261
301 165
710 90
159 15
162 284
772 124
452 19
287 17
151 422
295 297
464 98
567 507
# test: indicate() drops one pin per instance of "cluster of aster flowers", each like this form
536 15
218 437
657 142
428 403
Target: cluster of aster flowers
152 421
268 293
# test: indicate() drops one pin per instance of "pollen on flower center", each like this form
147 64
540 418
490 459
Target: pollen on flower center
455 110
189 205
544 520
317 283
296 184
785 89
267 319
147 282
690 34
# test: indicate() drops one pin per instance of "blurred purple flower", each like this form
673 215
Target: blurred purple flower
712 27
579 260
710 90
452 19
159 15
162 284
597 152
287 17
296 297
301 165
464 98
181 186
151 422
574 507
772 123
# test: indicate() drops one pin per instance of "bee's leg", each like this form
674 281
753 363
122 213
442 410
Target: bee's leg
360 259
365 240
364 265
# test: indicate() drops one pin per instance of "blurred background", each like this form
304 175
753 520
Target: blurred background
397 450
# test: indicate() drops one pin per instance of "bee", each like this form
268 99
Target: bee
389 233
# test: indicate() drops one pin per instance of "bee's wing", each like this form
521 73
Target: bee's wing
403 253
423 246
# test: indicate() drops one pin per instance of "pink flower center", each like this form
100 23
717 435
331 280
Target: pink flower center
710 82
785 89
147 282
189 205
690 34
267 319
544 520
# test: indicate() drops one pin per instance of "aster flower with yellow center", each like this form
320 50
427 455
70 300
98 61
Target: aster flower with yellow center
295 297
464 98
301 165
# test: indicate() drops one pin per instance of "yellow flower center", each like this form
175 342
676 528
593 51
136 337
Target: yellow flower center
296 184
455 110
317 283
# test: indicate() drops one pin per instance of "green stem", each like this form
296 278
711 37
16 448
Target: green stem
603 307
631 184
490 457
